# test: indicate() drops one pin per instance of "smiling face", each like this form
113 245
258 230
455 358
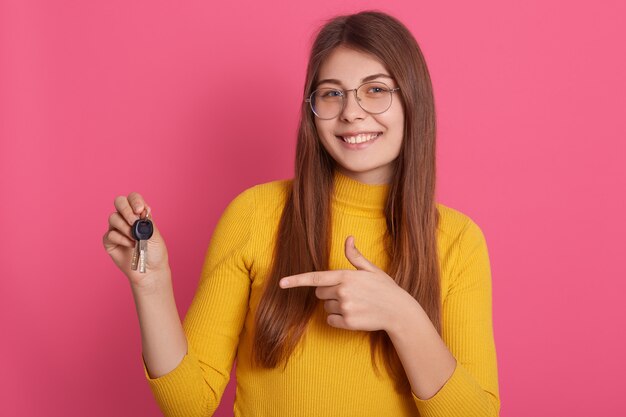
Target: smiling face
379 135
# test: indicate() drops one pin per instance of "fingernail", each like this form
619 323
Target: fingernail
284 282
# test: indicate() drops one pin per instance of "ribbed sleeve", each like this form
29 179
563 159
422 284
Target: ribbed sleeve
472 390
214 320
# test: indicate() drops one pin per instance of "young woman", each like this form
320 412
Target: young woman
346 291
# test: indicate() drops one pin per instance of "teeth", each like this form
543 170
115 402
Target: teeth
360 138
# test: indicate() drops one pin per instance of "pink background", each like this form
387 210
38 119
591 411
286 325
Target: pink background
532 129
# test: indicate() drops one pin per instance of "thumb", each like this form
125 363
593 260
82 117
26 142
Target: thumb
356 258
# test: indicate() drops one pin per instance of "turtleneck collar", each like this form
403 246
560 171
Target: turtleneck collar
359 198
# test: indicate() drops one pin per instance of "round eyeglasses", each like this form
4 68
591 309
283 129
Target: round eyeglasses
374 97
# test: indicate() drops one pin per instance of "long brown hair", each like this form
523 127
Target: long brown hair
303 238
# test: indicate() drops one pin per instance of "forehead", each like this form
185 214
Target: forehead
350 66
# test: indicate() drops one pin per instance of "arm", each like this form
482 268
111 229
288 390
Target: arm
452 375
455 375
162 338
214 320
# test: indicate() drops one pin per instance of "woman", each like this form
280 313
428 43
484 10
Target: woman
400 326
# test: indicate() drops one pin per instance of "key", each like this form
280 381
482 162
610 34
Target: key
135 260
142 231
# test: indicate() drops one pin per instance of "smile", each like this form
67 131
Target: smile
361 137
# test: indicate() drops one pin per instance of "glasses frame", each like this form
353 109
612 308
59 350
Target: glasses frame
344 99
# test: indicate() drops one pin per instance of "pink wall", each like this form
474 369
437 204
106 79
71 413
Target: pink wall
532 131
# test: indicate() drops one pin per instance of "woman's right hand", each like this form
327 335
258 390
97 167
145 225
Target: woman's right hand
120 244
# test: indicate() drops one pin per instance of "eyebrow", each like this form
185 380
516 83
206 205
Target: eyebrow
364 80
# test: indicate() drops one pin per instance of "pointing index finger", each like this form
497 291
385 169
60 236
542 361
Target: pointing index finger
312 279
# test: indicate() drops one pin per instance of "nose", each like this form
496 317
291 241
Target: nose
351 108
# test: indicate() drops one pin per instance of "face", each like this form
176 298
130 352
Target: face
380 135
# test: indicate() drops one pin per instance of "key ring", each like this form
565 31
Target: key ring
148 214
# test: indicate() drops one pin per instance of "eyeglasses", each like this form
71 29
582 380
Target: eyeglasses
374 97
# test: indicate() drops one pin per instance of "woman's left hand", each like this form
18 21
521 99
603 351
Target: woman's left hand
366 299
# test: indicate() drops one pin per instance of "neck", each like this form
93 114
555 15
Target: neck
359 198
379 176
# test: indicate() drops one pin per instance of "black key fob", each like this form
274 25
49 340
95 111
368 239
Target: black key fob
142 229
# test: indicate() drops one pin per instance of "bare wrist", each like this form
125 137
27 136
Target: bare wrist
153 283
405 317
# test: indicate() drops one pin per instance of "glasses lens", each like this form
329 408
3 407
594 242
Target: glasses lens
374 97
326 102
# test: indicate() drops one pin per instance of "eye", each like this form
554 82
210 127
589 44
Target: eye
330 93
375 90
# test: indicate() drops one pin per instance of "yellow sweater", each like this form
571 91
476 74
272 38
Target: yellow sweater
330 374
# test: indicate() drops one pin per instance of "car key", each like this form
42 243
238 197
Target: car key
142 231
135 260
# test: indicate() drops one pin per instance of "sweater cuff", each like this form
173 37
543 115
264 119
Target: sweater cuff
460 396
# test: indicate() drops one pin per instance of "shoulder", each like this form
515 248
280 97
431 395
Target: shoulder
269 192
462 241
263 198
455 226
250 211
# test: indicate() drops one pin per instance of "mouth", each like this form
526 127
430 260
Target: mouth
360 137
